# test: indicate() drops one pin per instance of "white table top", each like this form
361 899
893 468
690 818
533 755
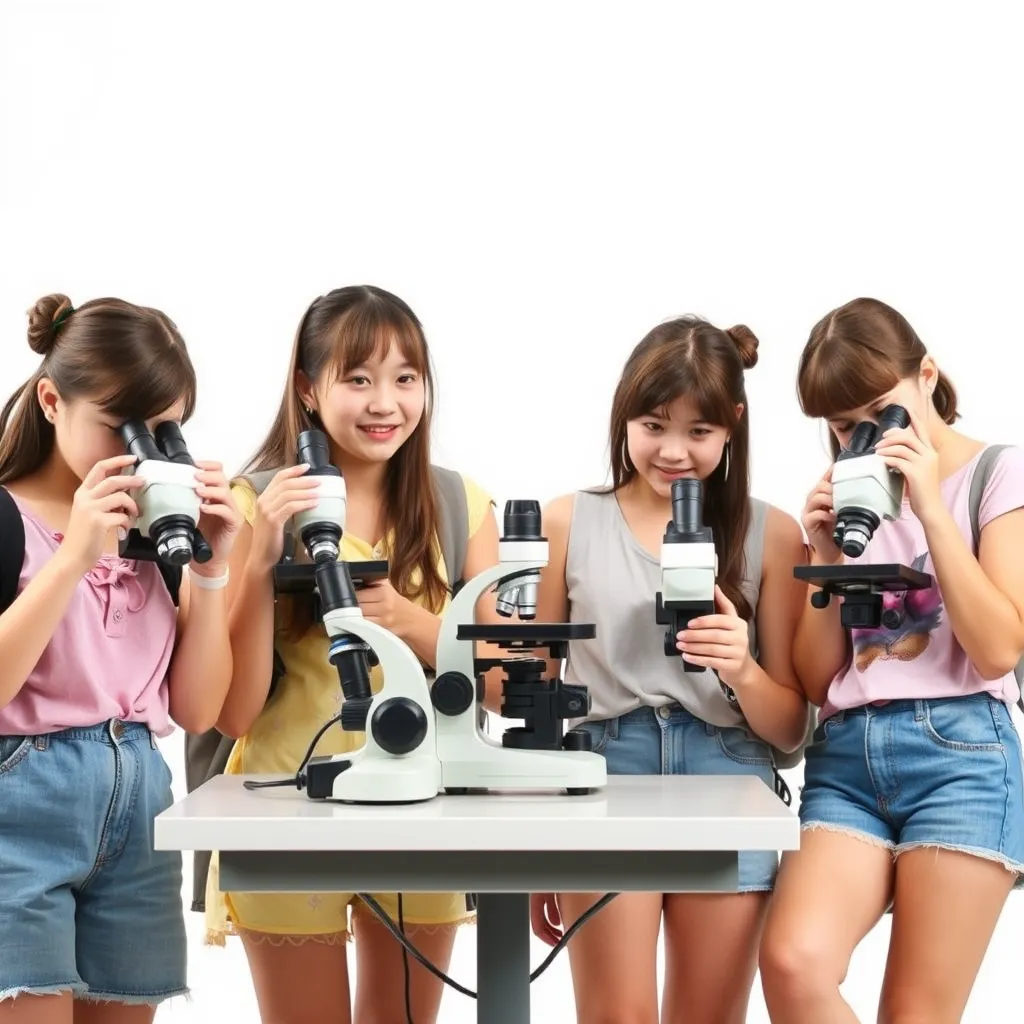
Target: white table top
633 812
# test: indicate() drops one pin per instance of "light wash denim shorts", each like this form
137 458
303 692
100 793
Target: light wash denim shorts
911 773
86 904
671 741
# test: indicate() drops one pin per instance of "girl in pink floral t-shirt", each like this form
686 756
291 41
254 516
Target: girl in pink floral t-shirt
913 792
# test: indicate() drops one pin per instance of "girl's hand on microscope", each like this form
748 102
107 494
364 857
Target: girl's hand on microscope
720 642
219 518
819 520
909 452
545 918
285 495
102 503
385 606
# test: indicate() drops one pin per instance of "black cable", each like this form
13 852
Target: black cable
299 782
400 936
405 966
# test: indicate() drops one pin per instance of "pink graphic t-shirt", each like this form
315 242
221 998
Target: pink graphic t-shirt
109 655
919 657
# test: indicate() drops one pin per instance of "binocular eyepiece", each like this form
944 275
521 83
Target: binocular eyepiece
168 503
867 434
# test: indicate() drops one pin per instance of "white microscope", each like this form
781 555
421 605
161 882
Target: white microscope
535 756
689 567
168 502
864 489
864 492
398 761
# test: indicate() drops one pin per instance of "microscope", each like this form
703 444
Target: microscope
864 489
864 492
536 755
398 761
168 503
689 566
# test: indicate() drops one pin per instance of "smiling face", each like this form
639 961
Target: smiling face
675 442
370 410
86 432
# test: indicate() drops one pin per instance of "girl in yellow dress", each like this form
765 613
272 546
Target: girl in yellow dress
360 372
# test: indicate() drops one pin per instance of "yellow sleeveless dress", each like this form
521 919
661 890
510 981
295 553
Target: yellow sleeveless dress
306 697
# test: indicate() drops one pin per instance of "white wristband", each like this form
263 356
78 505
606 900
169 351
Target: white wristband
209 582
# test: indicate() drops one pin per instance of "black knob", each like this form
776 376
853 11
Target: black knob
522 520
399 725
452 693
354 712
577 739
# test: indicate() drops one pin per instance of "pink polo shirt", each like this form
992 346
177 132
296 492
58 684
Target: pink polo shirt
917 655
109 654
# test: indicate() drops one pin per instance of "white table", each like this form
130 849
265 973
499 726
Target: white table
641 833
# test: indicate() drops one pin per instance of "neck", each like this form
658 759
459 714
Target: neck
948 444
364 478
55 479
645 498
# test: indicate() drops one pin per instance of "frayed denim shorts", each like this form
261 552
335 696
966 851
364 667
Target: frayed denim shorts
941 773
670 741
87 905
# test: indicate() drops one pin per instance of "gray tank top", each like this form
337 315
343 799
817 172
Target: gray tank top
612 581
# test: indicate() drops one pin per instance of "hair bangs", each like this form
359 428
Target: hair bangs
837 377
660 381
372 329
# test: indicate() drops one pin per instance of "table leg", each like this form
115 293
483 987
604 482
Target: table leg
503 958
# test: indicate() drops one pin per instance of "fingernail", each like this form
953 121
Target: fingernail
121 533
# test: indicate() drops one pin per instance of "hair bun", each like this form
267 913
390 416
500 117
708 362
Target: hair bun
746 341
43 320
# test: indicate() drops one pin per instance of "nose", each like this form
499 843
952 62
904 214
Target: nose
672 451
382 400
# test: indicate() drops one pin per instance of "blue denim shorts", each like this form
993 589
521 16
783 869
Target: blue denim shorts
670 741
86 904
911 773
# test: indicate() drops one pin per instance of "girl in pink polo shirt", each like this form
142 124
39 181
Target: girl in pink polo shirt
99 655
914 794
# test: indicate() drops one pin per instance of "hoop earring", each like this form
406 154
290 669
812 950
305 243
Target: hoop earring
728 445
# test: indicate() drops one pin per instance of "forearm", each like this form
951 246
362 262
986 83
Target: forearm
421 633
777 713
820 644
201 667
984 621
251 633
28 625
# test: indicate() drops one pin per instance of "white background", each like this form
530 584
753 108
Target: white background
543 183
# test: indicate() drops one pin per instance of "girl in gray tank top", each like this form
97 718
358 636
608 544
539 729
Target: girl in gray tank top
680 410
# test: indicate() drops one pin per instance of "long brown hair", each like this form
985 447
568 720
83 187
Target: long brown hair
690 357
855 355
129 359
338 333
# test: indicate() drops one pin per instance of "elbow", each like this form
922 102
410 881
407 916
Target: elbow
195 721
233 725
996 664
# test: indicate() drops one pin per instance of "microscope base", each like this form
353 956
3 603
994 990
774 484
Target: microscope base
359 778
500 769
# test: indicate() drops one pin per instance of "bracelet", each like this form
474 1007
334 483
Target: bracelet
209 582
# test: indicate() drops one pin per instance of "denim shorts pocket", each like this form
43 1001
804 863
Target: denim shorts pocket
599 735
966 725
13 750
742 748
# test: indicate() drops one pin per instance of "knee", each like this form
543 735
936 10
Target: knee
795 964
622 1012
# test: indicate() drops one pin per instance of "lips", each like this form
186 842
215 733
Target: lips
380 431
673 473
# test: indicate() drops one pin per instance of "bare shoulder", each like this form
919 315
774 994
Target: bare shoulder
557 514
783 537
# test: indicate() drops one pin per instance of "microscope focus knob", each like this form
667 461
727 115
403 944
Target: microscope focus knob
354 712
399 725
452 693
577 739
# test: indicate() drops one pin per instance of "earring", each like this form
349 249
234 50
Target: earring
309 411
728 445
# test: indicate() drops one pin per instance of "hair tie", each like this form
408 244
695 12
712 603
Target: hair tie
60 320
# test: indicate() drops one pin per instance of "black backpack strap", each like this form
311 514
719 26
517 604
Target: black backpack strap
12 549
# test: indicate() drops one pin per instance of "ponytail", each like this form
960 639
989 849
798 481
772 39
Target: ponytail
26 435
944 399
